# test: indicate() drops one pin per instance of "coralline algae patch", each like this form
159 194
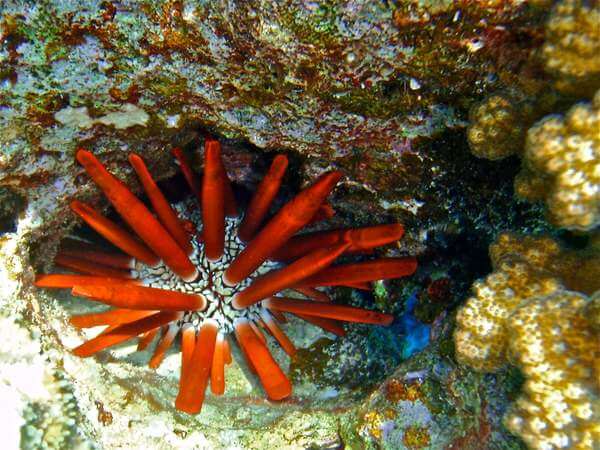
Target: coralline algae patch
430 403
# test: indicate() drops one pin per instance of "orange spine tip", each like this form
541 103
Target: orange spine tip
378 269
110 317
138 217
142 297
59 280
332 326
146 338
191 394
360 239
293 216
229 199
190 177
123 333
114 260
217 372
160 204
313 294
375 236
114 233
82 266
163 345
278 333
328 311
278 280
263 198
213 203
274 381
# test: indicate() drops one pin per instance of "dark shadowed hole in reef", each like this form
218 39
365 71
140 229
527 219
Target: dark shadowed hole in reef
11 205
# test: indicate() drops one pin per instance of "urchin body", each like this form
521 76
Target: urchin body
219 279
209 284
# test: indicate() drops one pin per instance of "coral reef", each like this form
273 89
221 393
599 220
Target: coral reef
336 82
561 165
571 51
524 315
378 90
497 126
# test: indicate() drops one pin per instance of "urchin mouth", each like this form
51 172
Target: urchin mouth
220 298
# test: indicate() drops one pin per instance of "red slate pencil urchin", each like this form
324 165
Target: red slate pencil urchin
225 281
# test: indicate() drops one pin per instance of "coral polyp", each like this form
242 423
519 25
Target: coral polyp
213 277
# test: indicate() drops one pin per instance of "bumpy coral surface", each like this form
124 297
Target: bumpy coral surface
555 346
497 127
562 166
221 282
522 314
572 47
593 312
482 336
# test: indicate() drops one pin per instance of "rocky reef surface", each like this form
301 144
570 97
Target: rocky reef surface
378 89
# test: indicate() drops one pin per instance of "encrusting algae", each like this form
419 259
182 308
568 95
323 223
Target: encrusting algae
523 314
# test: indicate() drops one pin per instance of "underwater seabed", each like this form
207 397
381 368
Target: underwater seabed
472 126
374 385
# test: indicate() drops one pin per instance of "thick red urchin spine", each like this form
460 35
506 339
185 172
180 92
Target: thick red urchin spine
290 218
262 199
159 293
138 217
163 209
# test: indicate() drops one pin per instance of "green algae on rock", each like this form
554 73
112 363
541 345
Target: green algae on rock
323 79
430 402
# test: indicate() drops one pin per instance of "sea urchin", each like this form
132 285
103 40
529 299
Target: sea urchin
223 280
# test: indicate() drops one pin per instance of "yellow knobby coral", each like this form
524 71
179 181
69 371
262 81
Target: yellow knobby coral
497 126
592 312
481 336
562 165
572 47
555 347
523 314
577 270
